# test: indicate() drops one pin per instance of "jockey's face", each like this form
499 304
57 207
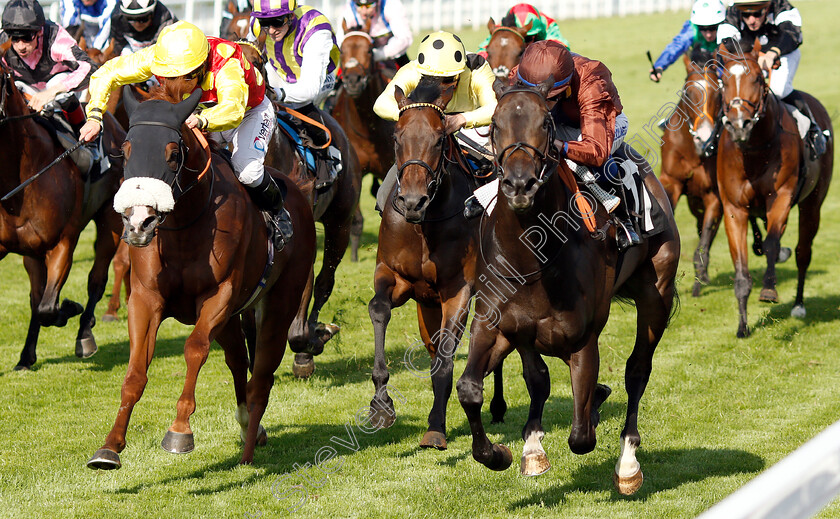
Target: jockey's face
754 19
709 32
140 24
26 44
366 11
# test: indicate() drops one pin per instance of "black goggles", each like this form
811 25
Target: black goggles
278 22
753 14
139 19
707 27
26 36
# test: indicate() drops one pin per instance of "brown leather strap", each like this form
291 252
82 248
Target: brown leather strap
313 122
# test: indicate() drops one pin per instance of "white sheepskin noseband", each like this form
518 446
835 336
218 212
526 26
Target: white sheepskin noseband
144 191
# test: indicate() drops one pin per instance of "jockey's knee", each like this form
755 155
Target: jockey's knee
250 174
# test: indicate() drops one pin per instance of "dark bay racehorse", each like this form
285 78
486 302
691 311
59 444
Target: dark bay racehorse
337 208
685 171
204 267
43 222
426 252
506 45
759 174
362 82
554 298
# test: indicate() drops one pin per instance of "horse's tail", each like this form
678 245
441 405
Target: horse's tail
675 307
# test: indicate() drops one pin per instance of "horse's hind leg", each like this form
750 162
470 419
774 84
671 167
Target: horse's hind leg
356 229
122 269
809 224
300 333
535 372
777 217
37 271
498 406
232 341
58 261
336 238
104 248
711 222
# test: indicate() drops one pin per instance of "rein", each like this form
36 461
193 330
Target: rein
502 28
207 167
311 121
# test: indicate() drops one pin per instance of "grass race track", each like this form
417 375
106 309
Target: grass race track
717 412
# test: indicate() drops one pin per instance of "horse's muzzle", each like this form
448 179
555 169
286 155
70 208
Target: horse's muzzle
413 206
520 192
739 129
355 85
139 225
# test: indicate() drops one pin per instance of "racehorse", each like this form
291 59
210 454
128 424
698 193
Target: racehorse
240 24
553 298
43 222
685 169
209 265
362 82
763 171
426 252
506 45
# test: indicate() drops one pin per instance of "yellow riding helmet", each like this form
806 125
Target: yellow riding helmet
180 49
441 54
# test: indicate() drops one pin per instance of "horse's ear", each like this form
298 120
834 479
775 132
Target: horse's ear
399 96
491 25
130 100
188 105
756 49
545 87
82 43
344 27
687 62
524 29
231 7
499 87
446 94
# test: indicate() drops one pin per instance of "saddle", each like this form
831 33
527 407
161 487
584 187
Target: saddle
321 162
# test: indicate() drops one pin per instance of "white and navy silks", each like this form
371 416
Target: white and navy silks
96 18
389 28
128 40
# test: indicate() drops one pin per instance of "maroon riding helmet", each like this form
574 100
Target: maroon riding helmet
546 58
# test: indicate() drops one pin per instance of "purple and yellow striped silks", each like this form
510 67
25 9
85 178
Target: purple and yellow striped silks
287 56
273 8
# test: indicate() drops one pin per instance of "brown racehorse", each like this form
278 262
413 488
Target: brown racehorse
759 175
554 298
204 267
426 253
44 221
240 24
505 48
362 82
685 171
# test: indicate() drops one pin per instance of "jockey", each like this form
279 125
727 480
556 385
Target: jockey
698 36
233 104
389 28
470 110
590 124
94 14
45 61
778 27
301 68
137 24
542 27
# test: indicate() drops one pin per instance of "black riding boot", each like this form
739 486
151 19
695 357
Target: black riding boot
815 137
267 196
327 160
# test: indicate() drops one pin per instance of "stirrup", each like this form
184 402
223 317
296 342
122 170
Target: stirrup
625 234
816 142
472 207
282 229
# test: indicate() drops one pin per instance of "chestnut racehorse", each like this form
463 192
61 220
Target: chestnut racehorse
211 265
759 174
362 82
43 222
426 252
554 299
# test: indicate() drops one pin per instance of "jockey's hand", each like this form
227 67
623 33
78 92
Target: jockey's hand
40 99
90 130
454 123
655 74
193 122
767 60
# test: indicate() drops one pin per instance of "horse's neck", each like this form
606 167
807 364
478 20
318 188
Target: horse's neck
12 135
769 125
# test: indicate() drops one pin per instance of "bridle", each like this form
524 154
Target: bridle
5 85
502 71
693 127
757 108
546 157
353 63
436 172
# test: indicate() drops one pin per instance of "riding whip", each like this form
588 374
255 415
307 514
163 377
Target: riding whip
32 179
650 58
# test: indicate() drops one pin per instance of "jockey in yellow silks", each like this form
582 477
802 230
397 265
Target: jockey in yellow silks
233 103
302 64
442 54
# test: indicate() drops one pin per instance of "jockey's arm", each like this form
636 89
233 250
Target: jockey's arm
406 78
64 50
597 128
124 70
681 43
789 35
401 38
232 96
67 13
481 83
313 69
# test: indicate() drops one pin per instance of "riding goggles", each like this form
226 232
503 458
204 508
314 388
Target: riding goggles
746 15
26 36
280 21
140 19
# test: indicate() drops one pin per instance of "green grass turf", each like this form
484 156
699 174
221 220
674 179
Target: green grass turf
716 413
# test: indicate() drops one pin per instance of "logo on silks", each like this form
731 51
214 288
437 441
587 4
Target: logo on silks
262 136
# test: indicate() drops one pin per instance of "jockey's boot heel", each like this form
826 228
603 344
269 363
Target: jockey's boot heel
267 196
625 234
472 207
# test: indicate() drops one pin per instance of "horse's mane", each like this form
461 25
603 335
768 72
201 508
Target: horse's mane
355 28
172 90
427 90
735 47
509 20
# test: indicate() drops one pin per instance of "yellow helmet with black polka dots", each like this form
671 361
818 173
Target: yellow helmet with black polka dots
441 54
180 49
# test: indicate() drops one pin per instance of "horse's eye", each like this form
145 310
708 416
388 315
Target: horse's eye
174 161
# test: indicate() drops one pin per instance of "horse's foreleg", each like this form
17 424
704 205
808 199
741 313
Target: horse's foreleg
486 344
583 367
779 208
144 318
37 271
498 406
736 232
58 260
122 268
300 333
356 228
711 223
389 293
535 372
232 340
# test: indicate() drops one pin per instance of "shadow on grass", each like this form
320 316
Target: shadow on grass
821 309
663 470
115 354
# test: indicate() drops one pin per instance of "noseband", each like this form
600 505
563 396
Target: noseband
547 156
758 109
436 173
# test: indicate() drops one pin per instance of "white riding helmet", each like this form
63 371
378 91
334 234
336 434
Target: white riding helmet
708 12
137 8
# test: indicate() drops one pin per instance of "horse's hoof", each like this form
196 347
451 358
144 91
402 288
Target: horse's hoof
304 369
784 254
768 295
501 459
177 443
743 333
326 332
534 464
104 459
797 311
695 292
110 318
629 485
381 418
433 440
86 347
23 367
